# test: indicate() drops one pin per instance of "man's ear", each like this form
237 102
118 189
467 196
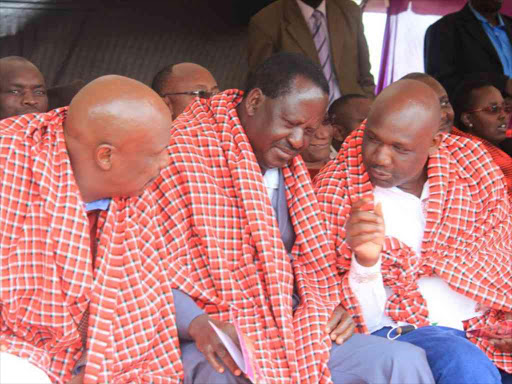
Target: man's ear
103 156
436 141
254 100
339 132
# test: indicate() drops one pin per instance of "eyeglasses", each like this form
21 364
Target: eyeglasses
201 94
494 109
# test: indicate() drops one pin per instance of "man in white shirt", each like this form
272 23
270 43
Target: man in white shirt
422 232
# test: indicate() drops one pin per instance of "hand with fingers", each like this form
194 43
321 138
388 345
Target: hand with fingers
365 231
504 344
210 345
340 326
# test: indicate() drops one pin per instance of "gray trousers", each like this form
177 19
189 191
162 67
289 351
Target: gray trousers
363 359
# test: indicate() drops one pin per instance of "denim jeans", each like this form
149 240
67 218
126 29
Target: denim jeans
452 357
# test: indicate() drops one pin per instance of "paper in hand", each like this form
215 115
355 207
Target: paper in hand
244 358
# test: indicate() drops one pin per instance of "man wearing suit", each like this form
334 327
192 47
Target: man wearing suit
474 42
330 32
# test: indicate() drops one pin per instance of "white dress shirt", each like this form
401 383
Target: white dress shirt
271 179
404 219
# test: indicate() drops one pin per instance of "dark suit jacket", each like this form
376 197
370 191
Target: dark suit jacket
281 27
457 47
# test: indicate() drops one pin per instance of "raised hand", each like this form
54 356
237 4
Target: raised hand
365 231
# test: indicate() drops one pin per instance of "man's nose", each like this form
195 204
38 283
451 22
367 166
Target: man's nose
28 98
296 138
382 156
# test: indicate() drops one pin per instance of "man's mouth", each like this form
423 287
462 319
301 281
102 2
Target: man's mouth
287 152
379 174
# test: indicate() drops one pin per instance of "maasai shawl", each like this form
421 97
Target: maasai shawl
47 278
503 160
467 238
231 258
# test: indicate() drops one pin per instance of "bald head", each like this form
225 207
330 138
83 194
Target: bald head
447 113
182 78
401 132
22 88
116 131
411 102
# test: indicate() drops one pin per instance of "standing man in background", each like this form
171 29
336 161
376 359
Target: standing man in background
330 33
476 41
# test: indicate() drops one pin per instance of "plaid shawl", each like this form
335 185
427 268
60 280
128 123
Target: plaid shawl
46 268
467 239
503 160
231 258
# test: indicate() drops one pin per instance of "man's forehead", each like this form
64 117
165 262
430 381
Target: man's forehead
22 76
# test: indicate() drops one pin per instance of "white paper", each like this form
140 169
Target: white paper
232 348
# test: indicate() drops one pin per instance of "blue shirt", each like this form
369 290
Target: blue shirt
499 38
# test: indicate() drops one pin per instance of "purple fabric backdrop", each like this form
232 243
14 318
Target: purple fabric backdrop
407 22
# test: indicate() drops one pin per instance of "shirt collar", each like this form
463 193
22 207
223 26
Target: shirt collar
101 204
425 193
307 11
479 16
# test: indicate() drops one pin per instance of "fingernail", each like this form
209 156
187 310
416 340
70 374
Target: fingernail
339 340
221 370
237 373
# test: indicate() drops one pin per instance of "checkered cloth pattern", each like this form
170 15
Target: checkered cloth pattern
467 239
503 160
47 275
235 264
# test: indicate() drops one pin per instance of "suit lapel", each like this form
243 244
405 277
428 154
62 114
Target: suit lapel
298 29
336 25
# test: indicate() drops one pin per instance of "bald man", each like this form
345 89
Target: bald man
180 84
447 113
421 225
84 295
22 88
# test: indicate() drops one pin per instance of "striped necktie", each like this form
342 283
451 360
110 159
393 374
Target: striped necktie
322 47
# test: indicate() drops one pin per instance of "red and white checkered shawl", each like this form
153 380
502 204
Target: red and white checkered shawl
46 268
502 159
467 239
231 259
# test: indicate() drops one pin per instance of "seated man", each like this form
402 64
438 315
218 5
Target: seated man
81 254
421 224
22 88
254 253
179 84
347 113
447 113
